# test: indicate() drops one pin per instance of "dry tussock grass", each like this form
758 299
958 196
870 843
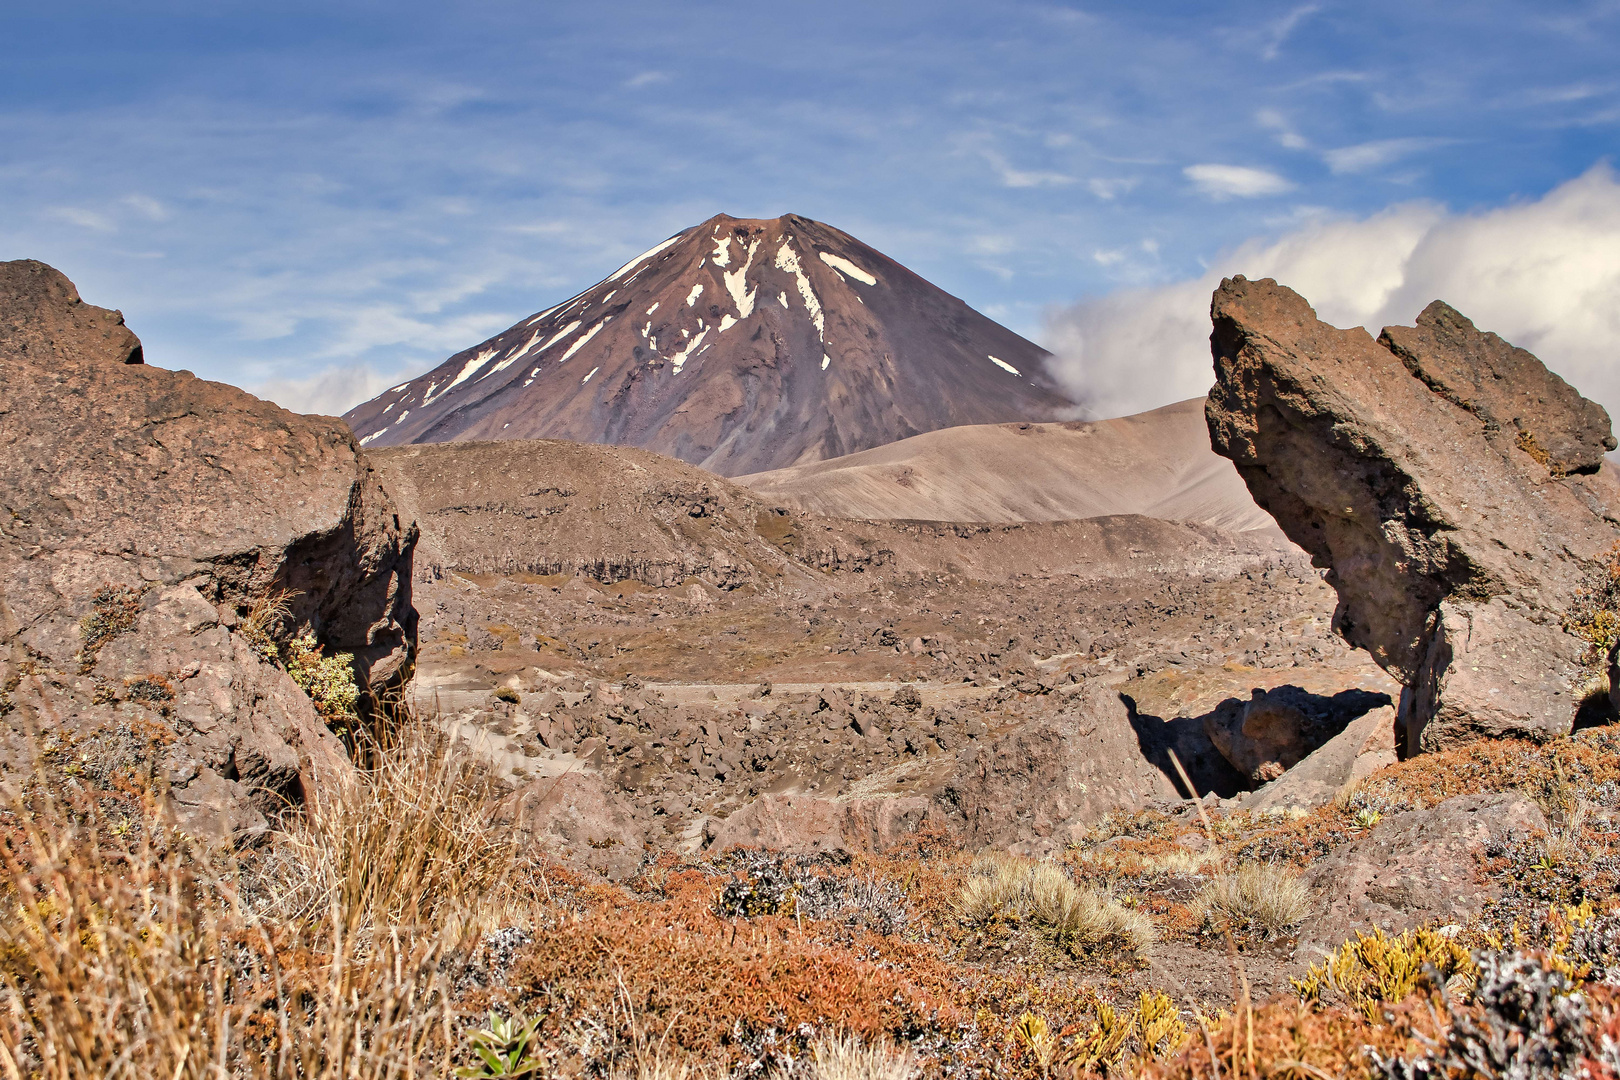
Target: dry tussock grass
836 1056
1264 897
1006 887
410 842
128 952
135 963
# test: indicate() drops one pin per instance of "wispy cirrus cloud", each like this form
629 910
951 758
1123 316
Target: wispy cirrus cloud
1283 28
1236 181
1367 156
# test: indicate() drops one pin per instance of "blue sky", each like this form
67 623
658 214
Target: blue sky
319 198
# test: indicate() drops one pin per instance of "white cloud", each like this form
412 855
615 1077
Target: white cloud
1235 181
330 392
84 219
147 207
1285 26
645 78
1022 178
1373 155
1545 275
1286 135
1109 189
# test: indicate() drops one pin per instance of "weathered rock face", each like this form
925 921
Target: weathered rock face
1452 486
1416 868
143 510
1037 789
1506 387
1361 749
42 317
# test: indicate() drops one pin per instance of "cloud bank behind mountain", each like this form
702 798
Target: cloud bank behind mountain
1544 274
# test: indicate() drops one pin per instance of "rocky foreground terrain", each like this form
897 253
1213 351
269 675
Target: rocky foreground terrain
534 758
705 669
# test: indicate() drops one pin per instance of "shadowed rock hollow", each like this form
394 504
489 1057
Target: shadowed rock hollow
1452 485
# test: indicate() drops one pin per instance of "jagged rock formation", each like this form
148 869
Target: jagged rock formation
141 512
1366 745
1450 483
42 317
1157 464
738 345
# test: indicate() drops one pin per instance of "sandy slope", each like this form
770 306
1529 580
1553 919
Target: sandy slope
1156 464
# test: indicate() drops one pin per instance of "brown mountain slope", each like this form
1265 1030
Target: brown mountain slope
737 345
1156 464
618 513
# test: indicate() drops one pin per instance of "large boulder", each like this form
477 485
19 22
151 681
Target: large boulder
1412 869
1040 787
142 513
1452 486
1366 745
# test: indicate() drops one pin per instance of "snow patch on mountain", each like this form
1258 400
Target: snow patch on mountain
679 360
644 256
512 357
737 285
559 335
847 268
466 372
1006 366
787 261
583 339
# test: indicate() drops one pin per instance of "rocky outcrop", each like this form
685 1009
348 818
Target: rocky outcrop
1366 745
1451 485
1037 789
142 512
1506 387
42 318
1414 869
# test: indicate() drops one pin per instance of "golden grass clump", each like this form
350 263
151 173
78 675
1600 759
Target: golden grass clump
835 1056
1266 897
412 841
136 961
129 951
1005 887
